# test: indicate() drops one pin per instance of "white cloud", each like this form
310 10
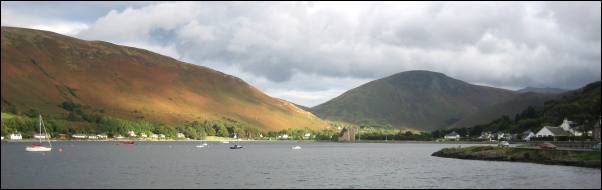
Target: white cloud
294 50
10 18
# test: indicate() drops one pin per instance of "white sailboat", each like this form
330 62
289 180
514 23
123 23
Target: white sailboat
39 147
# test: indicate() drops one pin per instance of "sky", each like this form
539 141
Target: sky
311 52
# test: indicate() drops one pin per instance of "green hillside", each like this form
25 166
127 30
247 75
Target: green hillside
581 106
414 99
41 71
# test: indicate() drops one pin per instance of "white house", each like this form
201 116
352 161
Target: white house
549 131
485 136
180 135
569 126
79 136
132 133
102 136
307 135
527 135
15 136
284 136
154 136
40 136
161 136
92 137
452 136
143 135
2 137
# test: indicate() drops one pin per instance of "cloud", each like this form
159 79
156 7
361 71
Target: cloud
10 18
294 49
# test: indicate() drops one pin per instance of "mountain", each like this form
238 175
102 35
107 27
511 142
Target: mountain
542 90
43 70
413 99
509 108
581 106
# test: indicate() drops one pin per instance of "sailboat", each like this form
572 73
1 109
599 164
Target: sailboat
38 147
236 146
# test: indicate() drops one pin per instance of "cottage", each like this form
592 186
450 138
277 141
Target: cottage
132 133
507 136
284 136
549 131
485 136
307 135
15 136
527 135
180 135
452 136
143 135
154 136
161 136
79 136
570 127
103 136
41 136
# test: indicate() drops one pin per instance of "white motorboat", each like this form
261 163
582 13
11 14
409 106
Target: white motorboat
296 148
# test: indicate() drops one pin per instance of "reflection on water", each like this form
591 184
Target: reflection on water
272 165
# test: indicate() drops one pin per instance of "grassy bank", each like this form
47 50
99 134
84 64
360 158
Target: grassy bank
552 157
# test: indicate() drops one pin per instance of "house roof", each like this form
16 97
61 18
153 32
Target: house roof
453 133
557 131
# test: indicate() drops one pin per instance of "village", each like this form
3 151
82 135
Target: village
565 135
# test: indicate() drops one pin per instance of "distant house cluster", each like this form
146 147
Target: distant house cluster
566 129
489 136
89 137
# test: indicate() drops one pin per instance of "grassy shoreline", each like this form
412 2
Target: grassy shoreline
589 159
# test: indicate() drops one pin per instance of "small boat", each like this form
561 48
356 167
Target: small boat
225 142
38 147
236 146
296 148
127 142
202 145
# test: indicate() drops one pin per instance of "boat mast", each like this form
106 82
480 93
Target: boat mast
46 135
40 125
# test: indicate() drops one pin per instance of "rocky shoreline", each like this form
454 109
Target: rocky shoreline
589 159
